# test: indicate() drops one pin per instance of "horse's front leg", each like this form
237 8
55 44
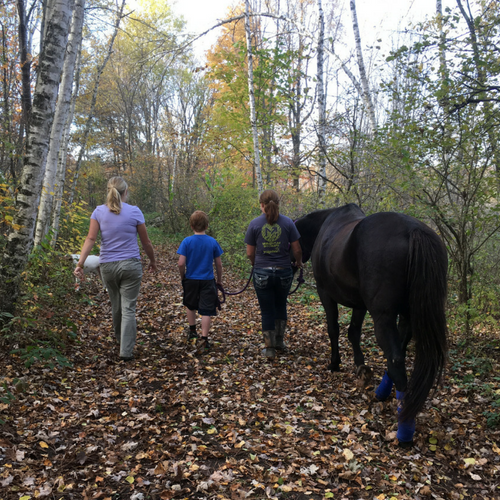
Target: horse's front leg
332 320
354 335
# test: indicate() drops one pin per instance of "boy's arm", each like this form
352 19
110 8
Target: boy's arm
218 269
182 265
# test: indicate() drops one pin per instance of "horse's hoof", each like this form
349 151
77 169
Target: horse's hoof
334 368
365 375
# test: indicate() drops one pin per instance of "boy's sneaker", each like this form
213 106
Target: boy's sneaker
191 337
204 344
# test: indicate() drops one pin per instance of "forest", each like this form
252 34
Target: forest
289 97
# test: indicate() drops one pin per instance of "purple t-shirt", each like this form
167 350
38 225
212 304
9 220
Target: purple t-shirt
118 232
272 242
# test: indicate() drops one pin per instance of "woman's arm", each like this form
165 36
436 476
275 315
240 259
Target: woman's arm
251 253
297 253
147 246
87 248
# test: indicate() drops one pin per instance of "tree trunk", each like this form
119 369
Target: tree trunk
366 95
100 69
60 117
20 240
251 94
320 91
63 155
25 62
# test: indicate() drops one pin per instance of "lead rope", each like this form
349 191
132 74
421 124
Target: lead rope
300 280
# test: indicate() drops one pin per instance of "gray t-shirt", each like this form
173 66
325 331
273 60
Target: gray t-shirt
272 242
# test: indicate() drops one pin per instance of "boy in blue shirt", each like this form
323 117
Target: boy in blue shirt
197 256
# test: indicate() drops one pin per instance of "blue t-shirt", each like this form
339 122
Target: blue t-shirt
272 242
118 232
200 251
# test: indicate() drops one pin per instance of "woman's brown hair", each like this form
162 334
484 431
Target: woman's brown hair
271 201
116 187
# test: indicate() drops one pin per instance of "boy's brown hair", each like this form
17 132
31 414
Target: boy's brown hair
198 221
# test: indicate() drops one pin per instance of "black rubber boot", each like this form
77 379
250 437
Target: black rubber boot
280 334
270 343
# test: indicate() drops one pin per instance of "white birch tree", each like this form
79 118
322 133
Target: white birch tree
365 87
63 155
320 92
251 95
62 109
20 240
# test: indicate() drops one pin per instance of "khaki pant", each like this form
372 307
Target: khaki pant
123 281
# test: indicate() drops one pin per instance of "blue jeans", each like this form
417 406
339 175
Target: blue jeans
272 286
123 281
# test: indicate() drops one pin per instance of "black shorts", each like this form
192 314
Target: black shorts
200 295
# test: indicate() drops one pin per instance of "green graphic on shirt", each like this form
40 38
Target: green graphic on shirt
271 236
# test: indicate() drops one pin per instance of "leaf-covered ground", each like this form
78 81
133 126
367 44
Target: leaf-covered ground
175 423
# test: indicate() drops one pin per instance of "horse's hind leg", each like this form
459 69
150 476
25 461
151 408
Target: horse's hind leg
389 339
405 333
354 334
332 320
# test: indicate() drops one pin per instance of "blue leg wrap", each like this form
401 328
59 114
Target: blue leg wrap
384 389
406 428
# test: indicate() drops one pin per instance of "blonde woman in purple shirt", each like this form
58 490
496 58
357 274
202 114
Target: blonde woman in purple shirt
120 260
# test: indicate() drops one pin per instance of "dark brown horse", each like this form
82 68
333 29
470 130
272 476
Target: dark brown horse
395 267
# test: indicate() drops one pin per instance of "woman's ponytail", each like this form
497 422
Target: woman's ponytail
271 202
116 187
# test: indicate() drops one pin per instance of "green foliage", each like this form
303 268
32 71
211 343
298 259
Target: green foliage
44 352
233 209
43 326
73 227
7 208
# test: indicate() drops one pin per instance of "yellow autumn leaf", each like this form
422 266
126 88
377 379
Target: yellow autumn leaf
470 461
240 444
213 430
286 488
43 444
25 497
433 440
129 479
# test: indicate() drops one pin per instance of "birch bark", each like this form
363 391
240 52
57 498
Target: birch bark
20 241
63 155
60 117
251 94
366 94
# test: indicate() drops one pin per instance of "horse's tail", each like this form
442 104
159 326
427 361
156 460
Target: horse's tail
427 279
